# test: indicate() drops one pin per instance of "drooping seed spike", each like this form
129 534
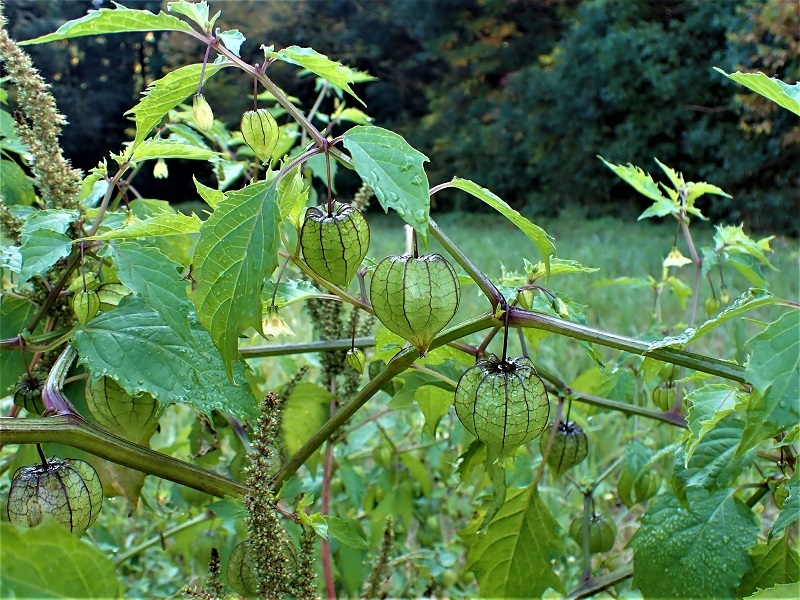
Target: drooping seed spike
334 245
415 297
502 403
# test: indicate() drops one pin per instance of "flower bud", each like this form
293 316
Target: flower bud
203 115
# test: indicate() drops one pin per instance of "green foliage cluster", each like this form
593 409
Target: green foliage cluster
138 339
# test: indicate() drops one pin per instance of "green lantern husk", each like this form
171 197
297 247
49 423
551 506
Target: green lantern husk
415 297
334 245
502 403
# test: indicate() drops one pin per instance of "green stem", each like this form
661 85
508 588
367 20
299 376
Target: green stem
520 317
306 347
72 430
397 365
606 473
484 283
598 584
586 574
159 539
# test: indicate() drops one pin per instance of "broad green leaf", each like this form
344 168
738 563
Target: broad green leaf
304 412
15 186
696 189
732 241
47 561
707 406
557 267
418 471
14 316
394 171
210 195
512 558
790 513
10 258
160 148
700 552
343 531
749 268
145 270
161 225
782 94
117 20
196 11
784 591
774 563
713 464
232 39
164 94
434 402
292 197
749 300
44 240
237 249
542 241
644 184
774 372
413 381
289 292
133 345
319 64
680 289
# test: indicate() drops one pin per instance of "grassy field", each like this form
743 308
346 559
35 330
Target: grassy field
618 249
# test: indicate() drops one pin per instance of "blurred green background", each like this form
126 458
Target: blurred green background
518 95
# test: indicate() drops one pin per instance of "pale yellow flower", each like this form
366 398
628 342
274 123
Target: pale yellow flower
274 324
676 259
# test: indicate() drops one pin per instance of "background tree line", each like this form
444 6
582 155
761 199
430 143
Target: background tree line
519 95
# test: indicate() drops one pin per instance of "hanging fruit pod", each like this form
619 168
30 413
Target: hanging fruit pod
85 306
602 533
570 446
664 395
335 244
415 297
241 571
502 403
635 490
132 417
68 489
261 132
28 393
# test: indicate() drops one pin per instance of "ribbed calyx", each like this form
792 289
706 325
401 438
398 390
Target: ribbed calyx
602 533
502 403
260 131
570 446
334 245
68 489
415 297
